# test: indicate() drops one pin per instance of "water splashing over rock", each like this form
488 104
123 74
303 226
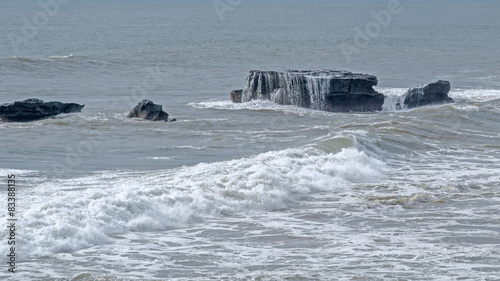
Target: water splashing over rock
337 91
333 90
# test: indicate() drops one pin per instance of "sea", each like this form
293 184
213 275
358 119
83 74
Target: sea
256 190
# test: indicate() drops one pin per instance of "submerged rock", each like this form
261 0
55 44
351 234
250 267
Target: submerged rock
337 91
146 109
433 93
35 109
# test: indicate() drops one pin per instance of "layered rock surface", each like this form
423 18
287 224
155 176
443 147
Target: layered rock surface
337 91
432 93
35 109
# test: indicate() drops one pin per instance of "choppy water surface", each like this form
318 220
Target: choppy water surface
252 191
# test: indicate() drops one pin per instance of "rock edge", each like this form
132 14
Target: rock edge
35 109
148 110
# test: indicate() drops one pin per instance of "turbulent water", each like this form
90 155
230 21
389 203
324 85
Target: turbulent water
251 191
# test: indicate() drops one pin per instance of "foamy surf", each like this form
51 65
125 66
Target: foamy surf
475 95
17 172
251 105
62 57
71 214
259 105
394 101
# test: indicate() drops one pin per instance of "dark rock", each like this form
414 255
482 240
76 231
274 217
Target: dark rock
146 109
236 96
355 103
433 93
337 91
35 109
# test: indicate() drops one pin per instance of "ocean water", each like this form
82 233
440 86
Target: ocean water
252 191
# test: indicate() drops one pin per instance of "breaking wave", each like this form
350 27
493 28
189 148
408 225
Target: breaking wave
71 214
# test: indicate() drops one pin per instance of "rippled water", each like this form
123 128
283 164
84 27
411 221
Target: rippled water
251 191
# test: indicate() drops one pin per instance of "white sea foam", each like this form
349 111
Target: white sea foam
66 215
394 97
393 102
62 57
475 95
16 172
192 147
158 158
259 105
387 91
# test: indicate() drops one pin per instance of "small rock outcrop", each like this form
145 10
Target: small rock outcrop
146 109
433 93
35 109
236 96
331 90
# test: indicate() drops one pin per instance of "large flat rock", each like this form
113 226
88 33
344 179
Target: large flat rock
331 90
